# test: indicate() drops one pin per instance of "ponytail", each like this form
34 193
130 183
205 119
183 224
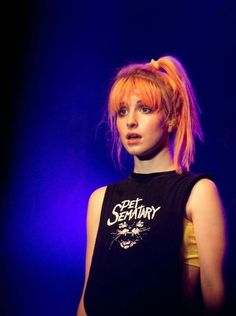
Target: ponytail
184 111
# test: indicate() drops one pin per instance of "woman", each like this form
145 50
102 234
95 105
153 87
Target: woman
158 236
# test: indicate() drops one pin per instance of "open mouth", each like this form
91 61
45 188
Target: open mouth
133 136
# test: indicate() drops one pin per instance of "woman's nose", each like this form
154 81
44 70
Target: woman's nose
131 121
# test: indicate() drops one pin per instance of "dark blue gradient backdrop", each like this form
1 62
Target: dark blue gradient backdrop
60 58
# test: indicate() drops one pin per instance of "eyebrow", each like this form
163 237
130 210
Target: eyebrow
122 104
139 102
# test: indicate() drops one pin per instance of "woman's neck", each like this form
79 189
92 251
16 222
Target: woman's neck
163 161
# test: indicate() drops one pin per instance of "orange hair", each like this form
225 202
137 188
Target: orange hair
162 84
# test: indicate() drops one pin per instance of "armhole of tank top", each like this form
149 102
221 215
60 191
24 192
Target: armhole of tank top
105 200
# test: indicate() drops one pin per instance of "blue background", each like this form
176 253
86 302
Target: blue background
59 59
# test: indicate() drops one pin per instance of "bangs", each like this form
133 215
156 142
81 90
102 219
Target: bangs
147 90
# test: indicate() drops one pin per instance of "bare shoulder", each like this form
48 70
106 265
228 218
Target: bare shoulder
96 198
204 198
204 187
95 202
98 193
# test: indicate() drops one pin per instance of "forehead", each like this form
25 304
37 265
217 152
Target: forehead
124 89
132 98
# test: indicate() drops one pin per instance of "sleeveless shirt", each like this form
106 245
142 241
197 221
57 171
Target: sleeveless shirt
136 267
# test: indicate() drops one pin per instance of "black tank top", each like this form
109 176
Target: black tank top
136 265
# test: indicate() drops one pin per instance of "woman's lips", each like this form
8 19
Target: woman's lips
133 138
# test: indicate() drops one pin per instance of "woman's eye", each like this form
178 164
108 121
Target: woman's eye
122 111
145 109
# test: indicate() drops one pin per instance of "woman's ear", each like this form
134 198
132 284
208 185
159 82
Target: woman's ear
171 124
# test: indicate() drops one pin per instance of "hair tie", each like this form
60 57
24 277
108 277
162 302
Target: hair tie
155 63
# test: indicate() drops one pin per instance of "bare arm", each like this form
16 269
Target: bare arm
93 217
205 209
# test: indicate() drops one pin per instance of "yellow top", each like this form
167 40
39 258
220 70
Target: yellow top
190 251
